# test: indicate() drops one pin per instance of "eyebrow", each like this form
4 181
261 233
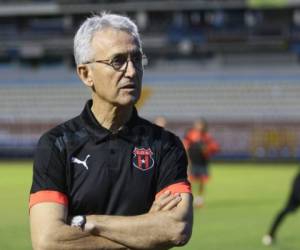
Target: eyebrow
126 53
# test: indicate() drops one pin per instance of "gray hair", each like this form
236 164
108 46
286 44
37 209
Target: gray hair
82 40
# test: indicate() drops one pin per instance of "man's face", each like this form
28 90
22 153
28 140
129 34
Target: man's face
118 87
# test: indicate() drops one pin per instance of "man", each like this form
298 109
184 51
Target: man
108 179
200 146
292 205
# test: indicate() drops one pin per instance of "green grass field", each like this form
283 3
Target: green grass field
241 201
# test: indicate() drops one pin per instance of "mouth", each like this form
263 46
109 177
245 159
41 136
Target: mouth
129 86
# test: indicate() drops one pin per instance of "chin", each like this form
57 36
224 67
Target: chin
128 100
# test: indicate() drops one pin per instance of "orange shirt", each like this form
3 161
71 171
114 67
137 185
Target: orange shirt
210 145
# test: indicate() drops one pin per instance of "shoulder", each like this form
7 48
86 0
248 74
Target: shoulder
63 133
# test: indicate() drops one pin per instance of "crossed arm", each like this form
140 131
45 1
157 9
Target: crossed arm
167 224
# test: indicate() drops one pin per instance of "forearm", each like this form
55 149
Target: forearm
142 232
148 231
68 238
49 231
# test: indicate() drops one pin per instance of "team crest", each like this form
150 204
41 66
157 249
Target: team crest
143 159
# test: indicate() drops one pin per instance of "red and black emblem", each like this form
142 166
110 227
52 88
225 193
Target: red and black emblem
143 159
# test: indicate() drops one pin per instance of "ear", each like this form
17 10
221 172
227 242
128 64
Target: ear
84 72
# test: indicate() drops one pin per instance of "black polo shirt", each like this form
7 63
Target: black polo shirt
93 171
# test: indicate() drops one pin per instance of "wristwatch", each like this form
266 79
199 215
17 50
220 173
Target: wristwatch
78 221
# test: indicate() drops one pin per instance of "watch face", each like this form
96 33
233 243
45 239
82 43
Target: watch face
78 221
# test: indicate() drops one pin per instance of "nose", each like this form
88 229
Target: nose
130 69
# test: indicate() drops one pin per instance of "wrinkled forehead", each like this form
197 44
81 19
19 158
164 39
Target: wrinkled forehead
112 41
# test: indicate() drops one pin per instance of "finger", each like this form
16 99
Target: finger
161 198
160 201
167 200
173 203
164 195
155 206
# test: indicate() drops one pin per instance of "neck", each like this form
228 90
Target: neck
109 116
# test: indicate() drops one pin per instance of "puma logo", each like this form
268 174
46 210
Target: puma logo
84 163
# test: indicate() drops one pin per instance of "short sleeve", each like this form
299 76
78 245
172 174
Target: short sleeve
49 175
173 169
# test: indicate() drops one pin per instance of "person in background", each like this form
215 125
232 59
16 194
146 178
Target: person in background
200 146
291 205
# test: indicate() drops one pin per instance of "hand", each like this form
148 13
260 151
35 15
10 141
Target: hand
166 201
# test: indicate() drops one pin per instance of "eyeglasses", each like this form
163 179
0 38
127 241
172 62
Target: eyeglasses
120 61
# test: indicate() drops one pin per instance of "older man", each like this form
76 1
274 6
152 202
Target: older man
109 179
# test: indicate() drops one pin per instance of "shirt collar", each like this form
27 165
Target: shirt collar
99 133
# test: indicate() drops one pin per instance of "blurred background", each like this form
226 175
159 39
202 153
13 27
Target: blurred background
235 63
